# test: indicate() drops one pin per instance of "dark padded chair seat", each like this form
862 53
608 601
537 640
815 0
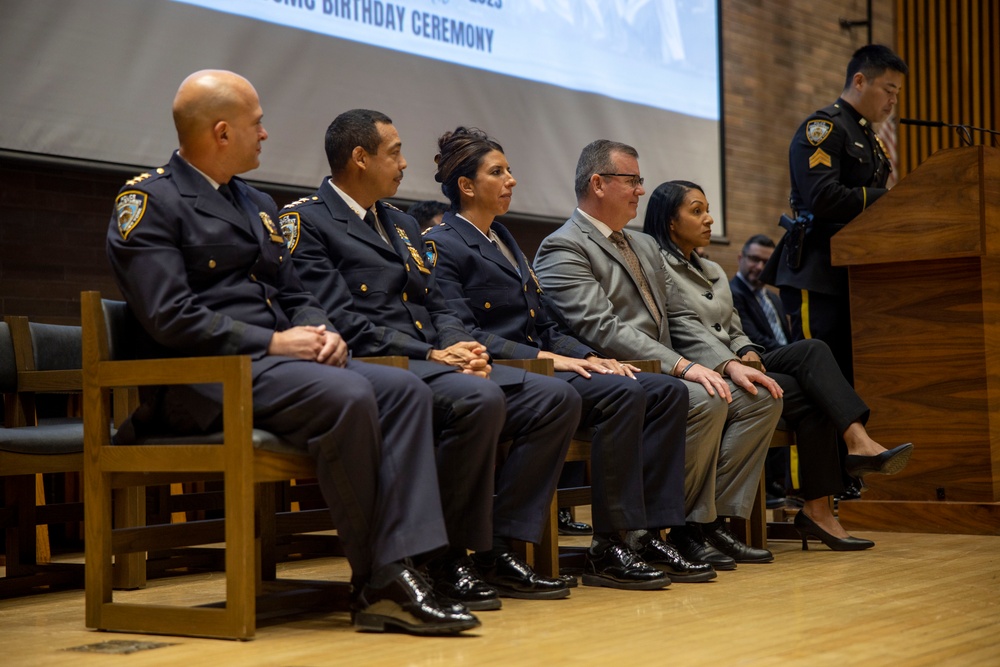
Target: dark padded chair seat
62 437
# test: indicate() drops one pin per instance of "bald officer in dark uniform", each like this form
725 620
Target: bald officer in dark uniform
202 265
838 169
344 240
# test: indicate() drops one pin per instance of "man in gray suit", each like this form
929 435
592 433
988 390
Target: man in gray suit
610 290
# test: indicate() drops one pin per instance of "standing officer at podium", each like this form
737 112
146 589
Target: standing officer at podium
838 169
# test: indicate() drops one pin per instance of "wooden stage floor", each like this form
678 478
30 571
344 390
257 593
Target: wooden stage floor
913 600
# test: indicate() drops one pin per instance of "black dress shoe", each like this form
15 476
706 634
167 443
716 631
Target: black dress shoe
806 527
680 570
407 603
690 543
620 567
775 493
458 580
569 527
513 578
569 580
719 537
888 462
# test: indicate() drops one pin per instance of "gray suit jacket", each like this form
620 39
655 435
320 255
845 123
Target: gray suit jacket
593 295
720 336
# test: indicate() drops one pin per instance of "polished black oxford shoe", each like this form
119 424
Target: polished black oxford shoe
513 578
888 462
620 567
661 555
569 527
690 543
407 603
717 535
458 580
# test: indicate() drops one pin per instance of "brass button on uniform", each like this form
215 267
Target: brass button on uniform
364 287
419 325
268 302
406 297
253 277
211 264
486 305
532 312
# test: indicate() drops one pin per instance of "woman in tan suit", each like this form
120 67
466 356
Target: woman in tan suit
818 401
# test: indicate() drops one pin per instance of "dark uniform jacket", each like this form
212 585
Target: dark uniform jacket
499 304
755 324
201 277
838 169
395 307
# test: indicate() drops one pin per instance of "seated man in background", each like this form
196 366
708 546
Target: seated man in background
763 316
363 259
427 213
609 290
201 264
765 323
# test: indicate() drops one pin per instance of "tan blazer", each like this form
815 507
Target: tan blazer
719 335
594 295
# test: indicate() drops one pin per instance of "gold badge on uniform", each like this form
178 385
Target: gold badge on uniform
820 157
290 229
418 259
271 229
431 253
817 131
130 206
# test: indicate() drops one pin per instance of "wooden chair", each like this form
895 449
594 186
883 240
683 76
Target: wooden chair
548 557
756 529
36 359
244 458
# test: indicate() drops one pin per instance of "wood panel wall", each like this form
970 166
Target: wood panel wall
953 50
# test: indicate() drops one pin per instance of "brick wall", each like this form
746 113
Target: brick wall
781 60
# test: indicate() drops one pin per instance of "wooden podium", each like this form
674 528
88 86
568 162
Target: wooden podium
924 266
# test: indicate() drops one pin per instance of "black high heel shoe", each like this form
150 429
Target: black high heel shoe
806 527
888 462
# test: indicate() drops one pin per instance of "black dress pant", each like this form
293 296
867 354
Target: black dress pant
819 405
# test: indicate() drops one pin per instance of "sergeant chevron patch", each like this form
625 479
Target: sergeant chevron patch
820 157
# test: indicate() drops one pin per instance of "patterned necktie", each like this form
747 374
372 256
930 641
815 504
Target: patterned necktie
772 317
633 263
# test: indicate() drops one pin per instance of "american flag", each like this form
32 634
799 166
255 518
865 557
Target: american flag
887 133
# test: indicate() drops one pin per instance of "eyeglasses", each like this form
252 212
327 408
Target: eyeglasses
634 180
754 259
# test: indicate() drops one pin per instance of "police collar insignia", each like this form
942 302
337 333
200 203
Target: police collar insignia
130 206
402 235
817 131
290 223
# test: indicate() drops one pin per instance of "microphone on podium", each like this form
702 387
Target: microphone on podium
923 123
964 131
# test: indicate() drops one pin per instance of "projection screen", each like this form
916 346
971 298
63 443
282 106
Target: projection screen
94 80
